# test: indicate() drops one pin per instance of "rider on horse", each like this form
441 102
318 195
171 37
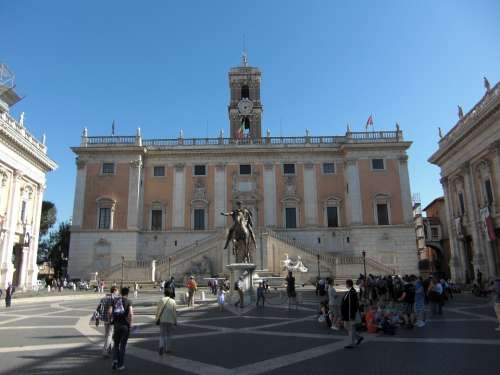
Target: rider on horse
247 214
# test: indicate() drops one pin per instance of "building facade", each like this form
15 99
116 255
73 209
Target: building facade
432 238
150 199
23 165
469 158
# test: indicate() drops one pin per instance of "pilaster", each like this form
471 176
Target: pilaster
354 210
79 202
269 195
220 195
404 182
310 195
134 183
179 197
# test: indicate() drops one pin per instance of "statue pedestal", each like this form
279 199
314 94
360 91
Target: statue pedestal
246 272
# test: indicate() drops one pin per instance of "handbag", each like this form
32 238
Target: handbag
161 312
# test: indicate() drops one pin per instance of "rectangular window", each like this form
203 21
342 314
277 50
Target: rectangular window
245 169
108 168
105 218
159 171
199 219
328 168
332 216
435 233
289 169
377 164
199 170
156 219
382 214
461 202
489 192
290 217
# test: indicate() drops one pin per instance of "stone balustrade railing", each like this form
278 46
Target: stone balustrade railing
350 137
10 124
463 125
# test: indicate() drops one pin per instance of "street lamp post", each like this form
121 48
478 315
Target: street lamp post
169 270
364 270
319 272
123 263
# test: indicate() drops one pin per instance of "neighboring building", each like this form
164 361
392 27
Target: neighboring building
150 199
432 238
23 165
469 158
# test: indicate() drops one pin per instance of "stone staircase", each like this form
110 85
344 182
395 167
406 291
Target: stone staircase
338 266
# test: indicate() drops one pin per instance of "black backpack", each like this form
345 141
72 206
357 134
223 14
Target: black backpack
236 287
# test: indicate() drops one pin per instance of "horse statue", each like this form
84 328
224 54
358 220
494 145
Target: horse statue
241 234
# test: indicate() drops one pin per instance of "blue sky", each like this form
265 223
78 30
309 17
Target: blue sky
162 65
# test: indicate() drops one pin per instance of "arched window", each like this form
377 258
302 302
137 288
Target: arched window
246 127
105 212
245 92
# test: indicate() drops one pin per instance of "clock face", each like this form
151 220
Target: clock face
245 106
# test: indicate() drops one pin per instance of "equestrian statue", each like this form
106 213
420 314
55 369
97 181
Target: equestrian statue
241 233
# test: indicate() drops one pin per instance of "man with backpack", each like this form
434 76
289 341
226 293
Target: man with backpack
102 314
121 314
408 298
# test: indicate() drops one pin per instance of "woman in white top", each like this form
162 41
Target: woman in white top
166 318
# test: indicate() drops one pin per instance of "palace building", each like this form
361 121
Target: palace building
469 159
155 203
23 165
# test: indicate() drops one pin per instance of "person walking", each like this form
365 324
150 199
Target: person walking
350 314
419 303
496 296
122 315
166 318
136 290
170 284
221 297
435 294
9 291
260 295
290 290
103 314
238 286
333 305
192 287
408 299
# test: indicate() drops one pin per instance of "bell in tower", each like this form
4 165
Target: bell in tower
245 109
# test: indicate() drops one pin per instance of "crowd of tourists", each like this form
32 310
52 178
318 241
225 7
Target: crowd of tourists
381 303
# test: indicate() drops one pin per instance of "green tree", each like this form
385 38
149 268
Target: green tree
58 249
48 217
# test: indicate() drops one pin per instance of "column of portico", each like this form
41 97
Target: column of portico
458 259
179 197
480 258
269 195
134 186
310 195
404 182
220 194
79 203
495 147
353 192
32 274
11 222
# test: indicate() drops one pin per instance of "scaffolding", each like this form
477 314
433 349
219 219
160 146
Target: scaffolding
8 95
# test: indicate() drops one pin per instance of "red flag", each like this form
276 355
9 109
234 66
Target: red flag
369 122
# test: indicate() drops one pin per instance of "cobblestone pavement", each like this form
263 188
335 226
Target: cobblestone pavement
57 339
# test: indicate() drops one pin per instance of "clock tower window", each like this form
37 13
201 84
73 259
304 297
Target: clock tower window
245 92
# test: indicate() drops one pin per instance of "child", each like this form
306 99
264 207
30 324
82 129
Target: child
220 297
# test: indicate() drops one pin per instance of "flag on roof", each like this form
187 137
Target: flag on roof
369 122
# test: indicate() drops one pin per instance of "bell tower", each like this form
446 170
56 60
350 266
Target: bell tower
245 109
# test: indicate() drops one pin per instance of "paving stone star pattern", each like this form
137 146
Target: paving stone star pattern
57 338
